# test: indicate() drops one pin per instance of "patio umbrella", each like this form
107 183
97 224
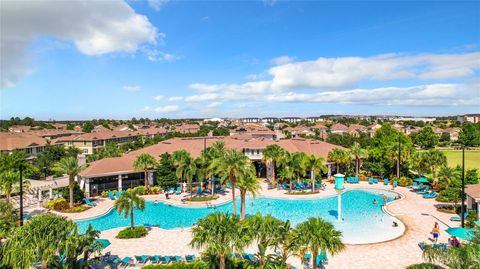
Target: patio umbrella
104 242
463 233
421 180
477 223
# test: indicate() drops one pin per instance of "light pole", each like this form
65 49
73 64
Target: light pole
21 192
462 210
399 154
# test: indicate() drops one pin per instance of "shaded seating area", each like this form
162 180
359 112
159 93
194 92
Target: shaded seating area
352 180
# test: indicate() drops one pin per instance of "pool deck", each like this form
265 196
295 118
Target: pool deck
418 215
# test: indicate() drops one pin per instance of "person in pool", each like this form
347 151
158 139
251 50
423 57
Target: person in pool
435 232
384 199
155 202
374 201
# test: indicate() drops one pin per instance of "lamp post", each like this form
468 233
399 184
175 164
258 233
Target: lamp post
21 192
339 188
462 210
399 154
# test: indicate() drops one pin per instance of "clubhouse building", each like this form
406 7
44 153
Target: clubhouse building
118 173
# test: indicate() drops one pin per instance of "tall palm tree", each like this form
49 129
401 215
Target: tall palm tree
247 182
128 202
69 166
288 173
318 235
273 153
339 157
435 159
220 233
298 161
284 237
143 162
229 166
8 179
357 154
447 175
266 231
315 165
186 166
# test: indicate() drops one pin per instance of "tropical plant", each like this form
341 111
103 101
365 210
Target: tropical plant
8 179
316 235
357 154
298 161
247 182
339 157
273 153
426 138
220 234
8 218
166 171
143 162
447 174
434 159
229 166
128 202
288 173
77 245
42 239
315 165
69 166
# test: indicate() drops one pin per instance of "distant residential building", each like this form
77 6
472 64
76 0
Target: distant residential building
89 142
473 197
299 131
473 118
270 120
314 119
250 120
321 129
411 129
100 128
252 131
19 128
186 128
29 143
356 129
292 119
58 125
338 128
214 120
453 133
51 134
403 119
372 129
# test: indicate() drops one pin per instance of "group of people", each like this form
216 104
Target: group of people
452 241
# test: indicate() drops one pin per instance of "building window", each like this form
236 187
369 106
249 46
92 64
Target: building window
85 151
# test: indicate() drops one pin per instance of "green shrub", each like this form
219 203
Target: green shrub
104 194
141 190
190 265
154 190
76 209
202 198
78 194
404 181
136 232
424 266
56 204
471 218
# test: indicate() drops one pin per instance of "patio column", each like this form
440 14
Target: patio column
119 183
87 187
150 178
39 195
50 193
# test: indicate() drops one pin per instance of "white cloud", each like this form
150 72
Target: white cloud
175 98
158 98
147 108
214 105
167 109
282 60
95 27
155 55
132 88
157 4
269 2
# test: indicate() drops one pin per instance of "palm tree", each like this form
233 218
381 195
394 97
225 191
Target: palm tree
8 218
315 165
229 166
434 159
69 166
179 161
357 154
266 231
273 153
247 182
143 162
448 174
220 233
339 157
298 161
284 237
317 235
8 179
288 173
128 202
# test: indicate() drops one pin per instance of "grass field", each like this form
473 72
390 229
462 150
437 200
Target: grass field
472 158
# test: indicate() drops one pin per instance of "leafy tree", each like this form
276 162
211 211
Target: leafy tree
434 159
344 140
69 166
357 154
128 202
166 176
186 166
471 176
8 218
273 153
317 235
315 165
247 182
50 155
447 175
8 180
143 162
42 239
87 127
288 173
11 162
78 194
426 138
229 166
339 157
220 234
469 135
70 126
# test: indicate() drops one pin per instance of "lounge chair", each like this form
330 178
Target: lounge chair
375 180
370 181
141 259
126 261
179 191
115 261
414 185
423 191
228 185
430 195
117 193
395 183
284 186
385 181
175 258
249 257
458 218
155 259
165 259
321 259
307 257
88 202
111 195
189 258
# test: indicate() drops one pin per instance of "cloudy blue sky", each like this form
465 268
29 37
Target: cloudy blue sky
122 59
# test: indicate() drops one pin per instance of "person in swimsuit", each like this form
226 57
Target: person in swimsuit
435 232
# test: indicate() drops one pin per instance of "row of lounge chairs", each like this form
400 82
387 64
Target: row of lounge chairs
87 201
439 246
385 181
115 196
423 190
352 179
155 259
321 259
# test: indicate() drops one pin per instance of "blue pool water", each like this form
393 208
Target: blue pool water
364 222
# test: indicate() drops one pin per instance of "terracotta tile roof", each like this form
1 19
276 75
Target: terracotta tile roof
473 190
54 132
124 164
99 136
12 141
339 127
19 128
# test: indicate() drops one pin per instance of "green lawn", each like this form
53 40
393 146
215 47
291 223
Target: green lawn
472 158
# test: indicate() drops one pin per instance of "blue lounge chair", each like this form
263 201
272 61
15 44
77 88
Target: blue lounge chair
228 185
115 261
155 259
249 257
375 180
395 183
458 218
307 257
117 193
370 181
171 190
189 258
284 186
385 181
165 259
141 259
423 191
88 202
111 196
414 185
126 261
321 258
430 195
175 258
179 190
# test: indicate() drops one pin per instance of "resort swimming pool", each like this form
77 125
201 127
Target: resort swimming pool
364 222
